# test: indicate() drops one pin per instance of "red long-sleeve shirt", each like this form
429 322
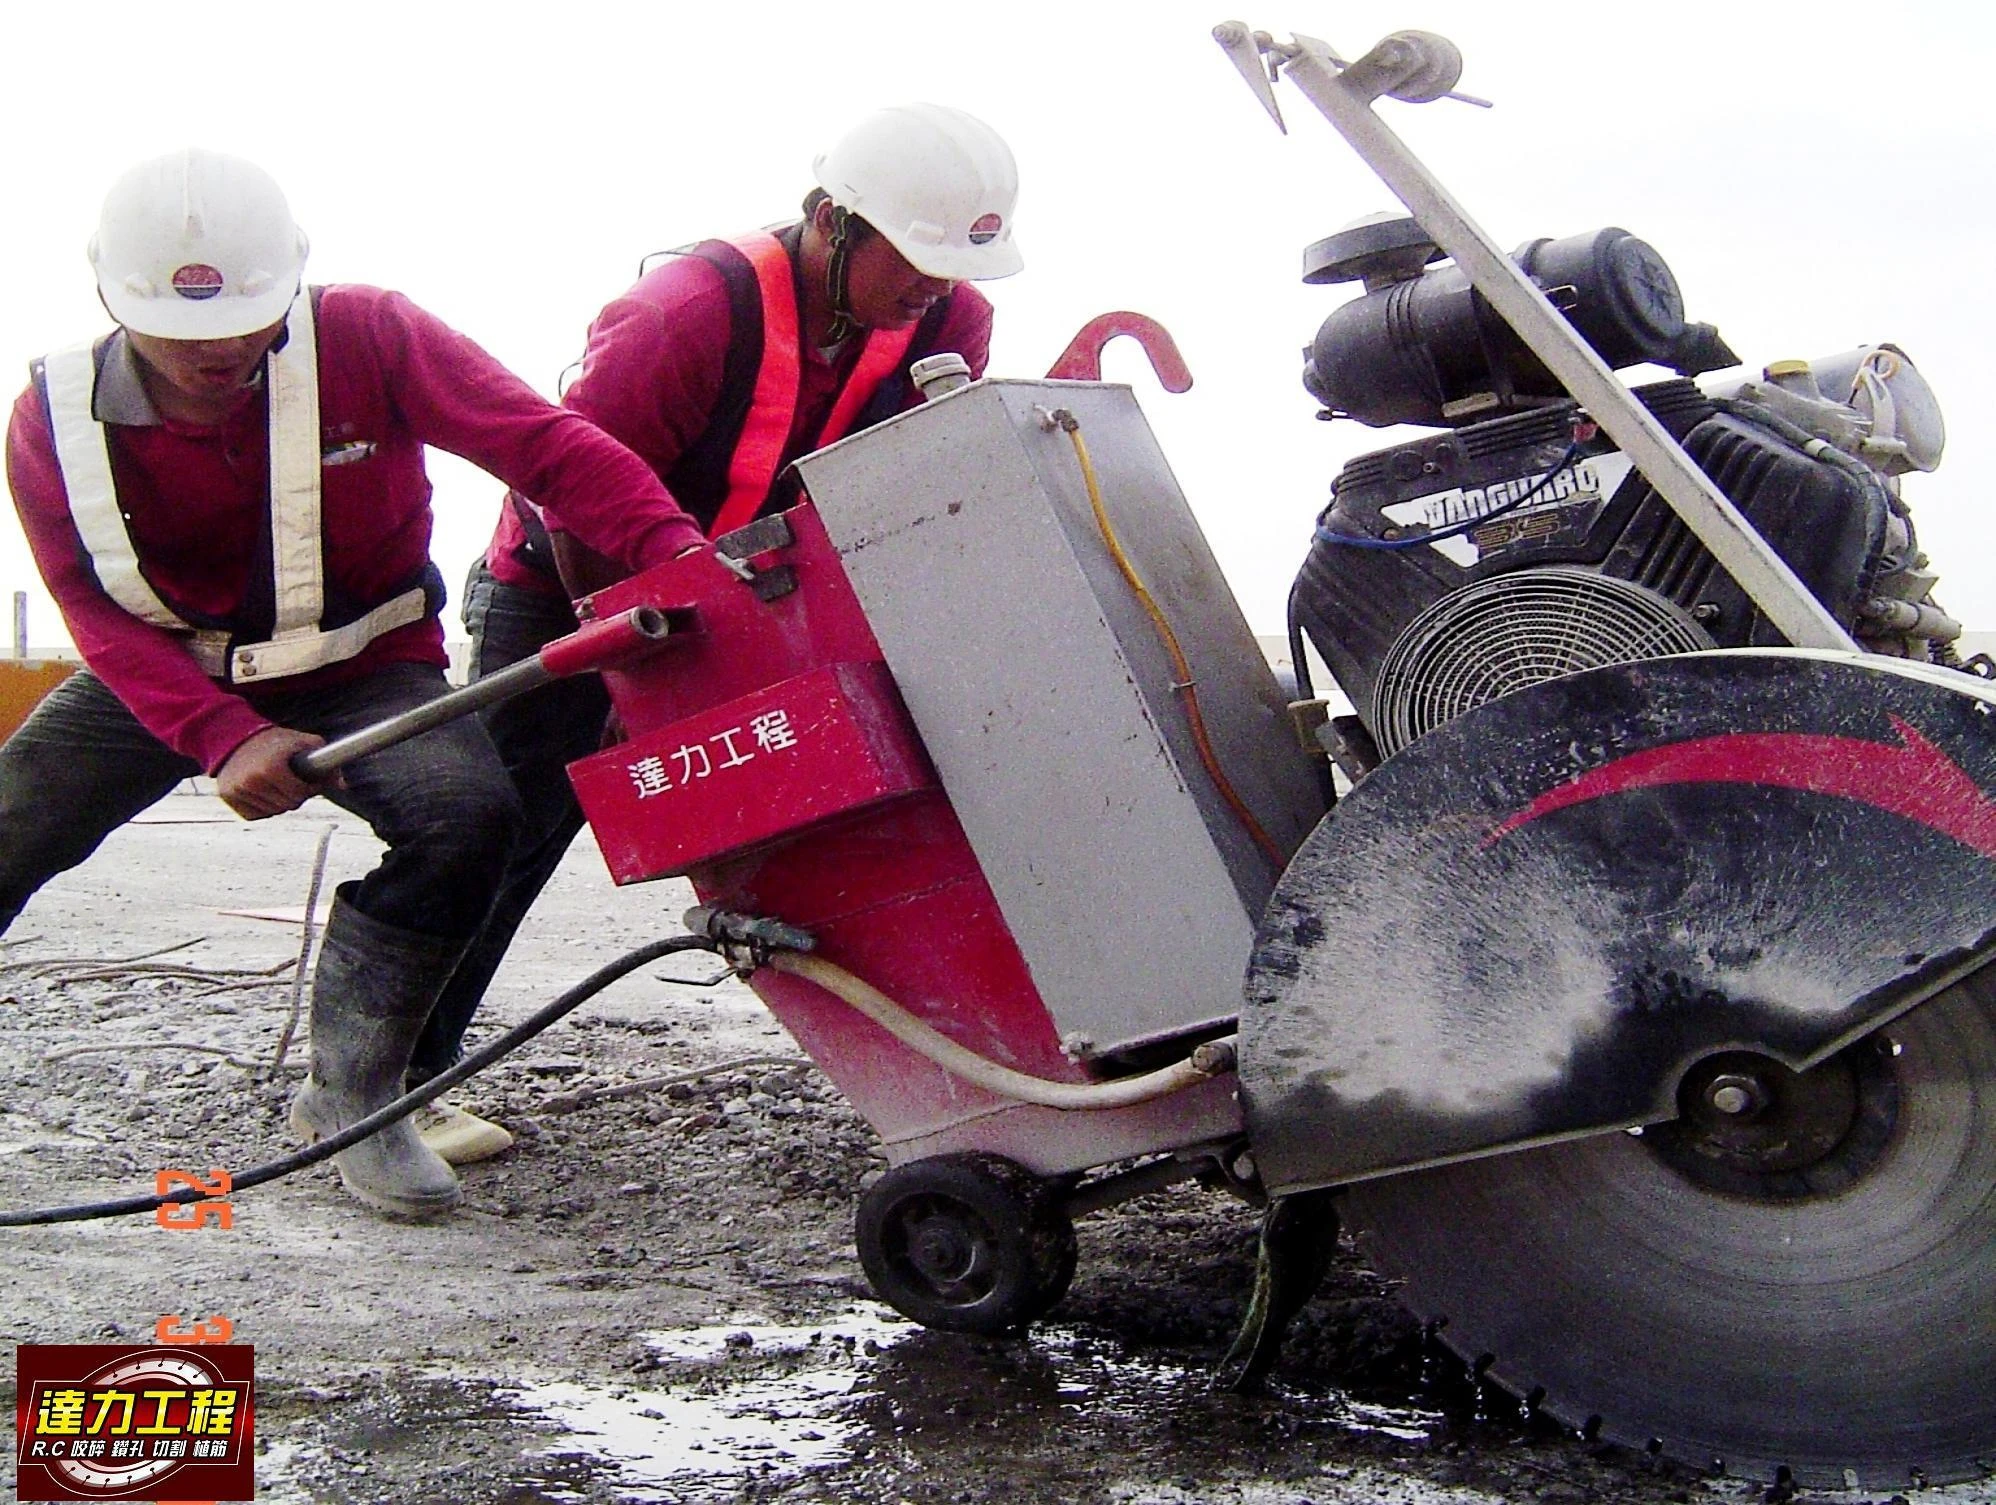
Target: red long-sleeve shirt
392 378
653 372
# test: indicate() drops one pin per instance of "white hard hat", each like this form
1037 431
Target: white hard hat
197 246
937 183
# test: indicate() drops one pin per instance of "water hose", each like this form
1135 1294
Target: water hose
1205 1063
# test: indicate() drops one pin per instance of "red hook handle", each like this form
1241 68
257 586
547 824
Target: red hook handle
1082 359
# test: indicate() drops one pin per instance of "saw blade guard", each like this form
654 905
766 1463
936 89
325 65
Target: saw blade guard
1536 922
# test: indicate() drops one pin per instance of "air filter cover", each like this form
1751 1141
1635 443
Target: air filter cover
1504 633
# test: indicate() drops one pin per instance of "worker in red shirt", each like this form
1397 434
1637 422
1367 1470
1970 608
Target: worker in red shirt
718 368
227 500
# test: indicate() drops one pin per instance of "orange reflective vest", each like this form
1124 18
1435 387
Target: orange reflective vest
758 455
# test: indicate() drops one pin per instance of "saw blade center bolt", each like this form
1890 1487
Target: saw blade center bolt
1736 1094
1750 1126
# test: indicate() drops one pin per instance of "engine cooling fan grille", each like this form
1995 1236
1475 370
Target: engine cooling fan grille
1511 631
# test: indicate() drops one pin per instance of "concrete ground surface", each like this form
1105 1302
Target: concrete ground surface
652 1297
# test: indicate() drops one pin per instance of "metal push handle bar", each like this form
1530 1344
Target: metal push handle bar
593 646
1417 66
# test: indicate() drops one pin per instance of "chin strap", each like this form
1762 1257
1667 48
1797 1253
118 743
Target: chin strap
835 277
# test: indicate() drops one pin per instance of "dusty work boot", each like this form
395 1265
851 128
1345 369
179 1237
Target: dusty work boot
370 995
458 1134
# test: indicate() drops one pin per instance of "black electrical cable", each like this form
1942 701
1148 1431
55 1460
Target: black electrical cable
1300 665
1354 541
435 1087
1327 785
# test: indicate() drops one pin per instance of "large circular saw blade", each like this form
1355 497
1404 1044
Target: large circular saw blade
1848 1338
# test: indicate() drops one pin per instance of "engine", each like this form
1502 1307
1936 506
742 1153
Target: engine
1519 544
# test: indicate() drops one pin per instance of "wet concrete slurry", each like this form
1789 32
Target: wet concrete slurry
866 1405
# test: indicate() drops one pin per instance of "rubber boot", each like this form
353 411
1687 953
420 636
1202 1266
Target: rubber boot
370 995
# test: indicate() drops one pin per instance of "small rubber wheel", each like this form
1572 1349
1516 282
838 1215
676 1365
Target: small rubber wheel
970 1243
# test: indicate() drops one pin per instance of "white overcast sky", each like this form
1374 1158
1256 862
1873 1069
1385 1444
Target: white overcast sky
1818 175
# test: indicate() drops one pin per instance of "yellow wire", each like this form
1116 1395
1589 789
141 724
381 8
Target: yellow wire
1185 684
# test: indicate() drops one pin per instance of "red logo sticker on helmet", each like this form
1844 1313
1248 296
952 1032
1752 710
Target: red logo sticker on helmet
197 281
985 229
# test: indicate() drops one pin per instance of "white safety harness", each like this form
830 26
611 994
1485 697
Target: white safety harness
297 551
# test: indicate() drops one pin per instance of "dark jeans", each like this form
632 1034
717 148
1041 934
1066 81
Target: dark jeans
538 735
82 766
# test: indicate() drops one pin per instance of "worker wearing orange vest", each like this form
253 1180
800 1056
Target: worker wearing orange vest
720 367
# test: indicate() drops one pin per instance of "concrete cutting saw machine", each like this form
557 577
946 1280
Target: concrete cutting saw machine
1614 968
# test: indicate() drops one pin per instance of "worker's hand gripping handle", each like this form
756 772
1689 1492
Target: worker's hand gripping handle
596 645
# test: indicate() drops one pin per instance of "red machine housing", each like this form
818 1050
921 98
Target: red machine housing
770 760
